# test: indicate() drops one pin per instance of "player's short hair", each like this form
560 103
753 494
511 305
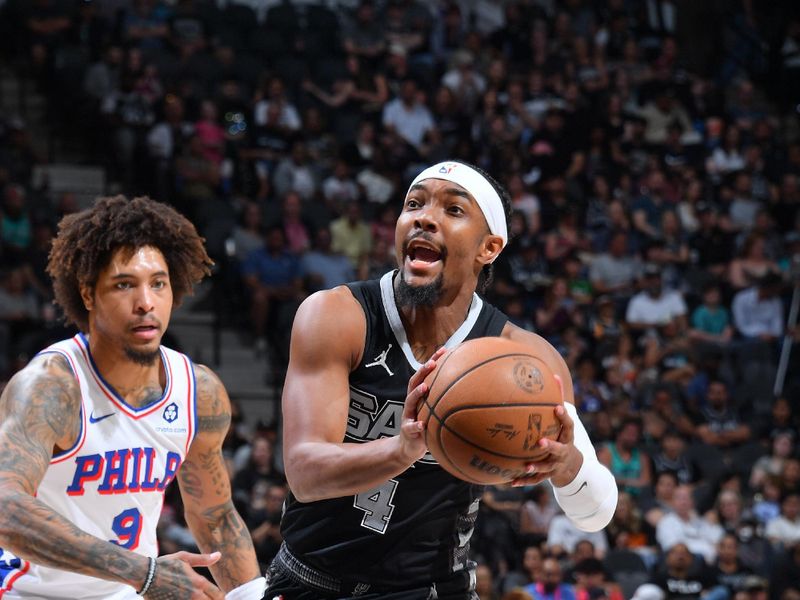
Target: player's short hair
87 240
487 273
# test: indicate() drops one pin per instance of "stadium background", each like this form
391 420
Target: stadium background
652 150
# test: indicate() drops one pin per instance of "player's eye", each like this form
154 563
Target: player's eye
123 285
412 203
159 284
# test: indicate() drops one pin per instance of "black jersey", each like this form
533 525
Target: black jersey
415 528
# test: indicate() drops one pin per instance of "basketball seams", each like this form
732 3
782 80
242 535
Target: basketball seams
463 374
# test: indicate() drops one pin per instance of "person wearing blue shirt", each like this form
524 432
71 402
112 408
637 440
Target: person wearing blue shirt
273 277
551 585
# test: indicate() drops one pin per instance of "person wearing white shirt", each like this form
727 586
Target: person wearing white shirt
654 306
785 529
685 526
408 117
758 311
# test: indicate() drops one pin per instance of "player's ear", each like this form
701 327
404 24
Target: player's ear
87 295
491 247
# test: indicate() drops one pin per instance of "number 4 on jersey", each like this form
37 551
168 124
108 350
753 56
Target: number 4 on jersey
377 506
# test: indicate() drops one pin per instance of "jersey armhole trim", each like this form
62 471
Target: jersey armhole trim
191 404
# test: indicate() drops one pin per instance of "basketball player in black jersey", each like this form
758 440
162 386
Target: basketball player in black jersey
370 513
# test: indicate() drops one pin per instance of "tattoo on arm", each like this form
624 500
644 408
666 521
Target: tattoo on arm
39 409
205 486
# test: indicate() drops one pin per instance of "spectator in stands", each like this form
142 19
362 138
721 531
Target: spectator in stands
260 466
351 235
672 457
145 24
296 225
591 582
322 268
247 236
785 530
484 582
663 497
339 189
711 322
563 537
614 272
274 280
406 117
551 586
15 224
630 466
654 306
273 100
711 245
666 416
198 178
296 173
686 528
728 568
752 264
781 448
530 572
263 518
536 513
683 578
629 529
721 425
165 141
758 310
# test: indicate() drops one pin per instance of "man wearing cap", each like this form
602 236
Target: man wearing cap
370 513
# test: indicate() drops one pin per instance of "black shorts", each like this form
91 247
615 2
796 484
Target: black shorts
289 579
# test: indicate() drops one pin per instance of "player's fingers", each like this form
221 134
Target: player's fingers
567 433
212 592
198 560
529 480
412 428
412 401
421 373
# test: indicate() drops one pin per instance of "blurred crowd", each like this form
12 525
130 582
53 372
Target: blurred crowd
652 152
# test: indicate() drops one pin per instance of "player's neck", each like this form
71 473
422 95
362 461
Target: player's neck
138 384
428 328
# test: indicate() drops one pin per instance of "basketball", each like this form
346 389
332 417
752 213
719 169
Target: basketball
489 402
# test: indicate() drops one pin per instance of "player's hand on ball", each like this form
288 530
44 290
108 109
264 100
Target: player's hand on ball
561 461
176 578
412 437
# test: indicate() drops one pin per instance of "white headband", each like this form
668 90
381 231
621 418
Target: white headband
478 186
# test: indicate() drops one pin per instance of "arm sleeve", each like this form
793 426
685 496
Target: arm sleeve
591 498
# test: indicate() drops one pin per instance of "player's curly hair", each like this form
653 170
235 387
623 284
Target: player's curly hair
87 240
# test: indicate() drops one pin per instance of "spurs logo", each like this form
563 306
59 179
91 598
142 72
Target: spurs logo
380 360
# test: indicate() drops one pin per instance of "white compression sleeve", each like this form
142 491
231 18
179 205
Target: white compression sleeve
590 499
252 590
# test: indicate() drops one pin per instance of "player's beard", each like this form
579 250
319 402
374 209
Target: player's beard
146 358
419 296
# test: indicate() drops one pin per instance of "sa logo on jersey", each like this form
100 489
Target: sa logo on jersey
171 413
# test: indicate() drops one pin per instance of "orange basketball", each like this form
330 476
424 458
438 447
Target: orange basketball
490 401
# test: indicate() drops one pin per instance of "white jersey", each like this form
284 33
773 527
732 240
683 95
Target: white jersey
111 482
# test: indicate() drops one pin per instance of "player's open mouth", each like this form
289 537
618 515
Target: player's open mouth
421 255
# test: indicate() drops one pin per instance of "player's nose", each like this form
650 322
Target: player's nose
144 300
426 219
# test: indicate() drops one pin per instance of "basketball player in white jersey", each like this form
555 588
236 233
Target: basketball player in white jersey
94 428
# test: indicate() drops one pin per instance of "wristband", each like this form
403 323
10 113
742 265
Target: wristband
151 575
252 590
